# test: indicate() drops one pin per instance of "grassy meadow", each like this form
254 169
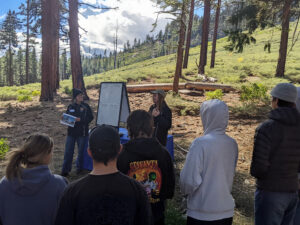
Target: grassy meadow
253 65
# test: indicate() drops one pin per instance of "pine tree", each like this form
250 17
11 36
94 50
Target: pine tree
20 67
33 66
31 13
50 37
9 40
189 34
77 75
204 39
214 44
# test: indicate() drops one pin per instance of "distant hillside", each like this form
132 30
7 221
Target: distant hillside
253 65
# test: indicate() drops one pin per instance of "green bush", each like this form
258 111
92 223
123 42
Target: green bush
254 92
216 94
67 90
4 147
36 93
24 92
24 98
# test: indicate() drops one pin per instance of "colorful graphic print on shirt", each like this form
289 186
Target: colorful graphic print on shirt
149 175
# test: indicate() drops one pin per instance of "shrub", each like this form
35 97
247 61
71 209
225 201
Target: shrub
4 147
36 93
216 94
254 92
67 90
24 98
24 92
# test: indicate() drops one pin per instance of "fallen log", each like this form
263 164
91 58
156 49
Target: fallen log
208 86
136 88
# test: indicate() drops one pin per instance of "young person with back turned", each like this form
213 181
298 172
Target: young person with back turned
30 193
162 116
147 161
208 172
78 133
276 158
105 196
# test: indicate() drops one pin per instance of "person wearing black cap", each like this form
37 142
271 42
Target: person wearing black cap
276 159
78 133
105 196
162 116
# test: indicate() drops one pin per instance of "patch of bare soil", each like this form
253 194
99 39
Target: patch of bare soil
19 120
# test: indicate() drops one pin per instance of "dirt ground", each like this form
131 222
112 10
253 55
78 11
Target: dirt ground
19 120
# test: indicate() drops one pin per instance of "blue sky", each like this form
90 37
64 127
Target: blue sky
134 19
9 5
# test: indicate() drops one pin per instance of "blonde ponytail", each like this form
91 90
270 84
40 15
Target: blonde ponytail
34 150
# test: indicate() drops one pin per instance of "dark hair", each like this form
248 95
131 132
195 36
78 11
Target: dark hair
139 122
282 103
33 152
104 143
161 102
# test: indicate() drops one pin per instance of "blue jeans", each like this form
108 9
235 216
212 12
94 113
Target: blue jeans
69 151
272 208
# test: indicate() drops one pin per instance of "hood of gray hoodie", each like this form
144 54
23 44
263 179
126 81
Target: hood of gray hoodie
214 115
32 180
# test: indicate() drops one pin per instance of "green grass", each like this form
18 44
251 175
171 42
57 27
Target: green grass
182 106
253 65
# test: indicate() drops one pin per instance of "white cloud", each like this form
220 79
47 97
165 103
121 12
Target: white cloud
2 16
134 18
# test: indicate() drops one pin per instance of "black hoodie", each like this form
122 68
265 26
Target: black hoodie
147 161
276 154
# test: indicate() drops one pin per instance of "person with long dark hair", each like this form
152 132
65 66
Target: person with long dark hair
30 193
162 116
148 162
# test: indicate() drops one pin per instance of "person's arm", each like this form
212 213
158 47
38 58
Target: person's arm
87 115
261 151
170 177
65 213
164 119
190 175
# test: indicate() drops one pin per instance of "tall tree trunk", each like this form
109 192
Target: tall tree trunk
56 20
76 67
27 44
57 61
180 50
11 72
204 40
189 34
49 48
284 38
214 44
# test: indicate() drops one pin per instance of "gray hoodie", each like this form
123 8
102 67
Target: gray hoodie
207 175
33 200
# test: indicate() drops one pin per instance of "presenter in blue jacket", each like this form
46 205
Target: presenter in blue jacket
78 133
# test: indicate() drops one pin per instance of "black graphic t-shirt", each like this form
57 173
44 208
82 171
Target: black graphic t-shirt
112 199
